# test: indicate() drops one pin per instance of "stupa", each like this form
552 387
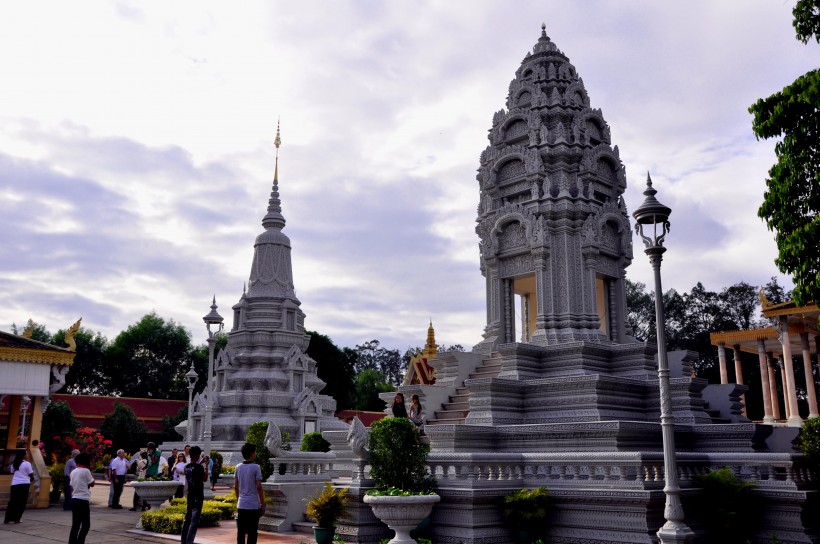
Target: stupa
263 373
570 401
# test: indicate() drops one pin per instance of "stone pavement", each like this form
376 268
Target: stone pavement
49 525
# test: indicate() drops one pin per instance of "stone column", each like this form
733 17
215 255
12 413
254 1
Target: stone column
810 392
739 374
764 382
14 422
785 384
525 317
773 386
724 375
785 340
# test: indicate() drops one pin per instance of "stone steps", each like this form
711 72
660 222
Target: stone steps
455 411
305 527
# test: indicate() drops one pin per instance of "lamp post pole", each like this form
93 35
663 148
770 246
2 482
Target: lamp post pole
192 378
653 214
213 319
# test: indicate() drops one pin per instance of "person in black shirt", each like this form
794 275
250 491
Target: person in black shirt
195 477
399 409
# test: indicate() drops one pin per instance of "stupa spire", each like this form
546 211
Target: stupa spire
274 218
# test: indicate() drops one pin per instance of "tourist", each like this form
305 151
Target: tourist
250 506
216 470
142 467
172 460
178 474
69 466
416 413
154 463
195 478
187 453
117 470
399 409
81 482
20 484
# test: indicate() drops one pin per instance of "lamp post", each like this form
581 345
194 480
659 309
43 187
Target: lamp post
213 319
652 214
192 378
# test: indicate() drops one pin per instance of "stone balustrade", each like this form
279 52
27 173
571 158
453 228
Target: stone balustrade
636 470
303 466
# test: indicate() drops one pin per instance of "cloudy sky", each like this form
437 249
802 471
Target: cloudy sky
136 148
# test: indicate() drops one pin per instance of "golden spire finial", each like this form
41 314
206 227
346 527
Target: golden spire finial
69 335
29 330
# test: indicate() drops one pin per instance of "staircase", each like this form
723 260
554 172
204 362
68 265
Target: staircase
456 410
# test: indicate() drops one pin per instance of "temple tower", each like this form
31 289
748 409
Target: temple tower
264 374
552 222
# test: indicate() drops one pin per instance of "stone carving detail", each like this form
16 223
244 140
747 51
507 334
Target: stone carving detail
513 236
58 374
273 440
510 170
515 266
358 439
515 129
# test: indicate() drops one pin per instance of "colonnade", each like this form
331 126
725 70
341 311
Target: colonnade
768 358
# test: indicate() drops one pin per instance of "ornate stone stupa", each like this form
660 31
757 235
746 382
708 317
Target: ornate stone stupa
263 373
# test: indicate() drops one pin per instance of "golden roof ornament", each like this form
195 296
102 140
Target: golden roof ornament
69 335
764 300
29 329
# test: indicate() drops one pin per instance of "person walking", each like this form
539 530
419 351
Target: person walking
81 482
20 484
195 478
247 486
142 464
117 470
70 465
216 470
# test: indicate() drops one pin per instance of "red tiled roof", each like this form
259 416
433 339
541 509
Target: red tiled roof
368 418
91 410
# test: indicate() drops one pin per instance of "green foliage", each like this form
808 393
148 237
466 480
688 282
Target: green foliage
791 201
397 458
807 20
326 507
123 428
334 366
38 331
728 506
90 373
808 442
169 520
369 383
150 359
256 436
315 442
526 509
370 355
58 422
169 433
57 473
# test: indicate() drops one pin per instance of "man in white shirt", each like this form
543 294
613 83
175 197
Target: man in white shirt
117 470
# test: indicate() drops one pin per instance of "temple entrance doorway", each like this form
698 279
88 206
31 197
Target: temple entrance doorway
526 303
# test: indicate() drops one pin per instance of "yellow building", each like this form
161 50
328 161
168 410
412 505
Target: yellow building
29 372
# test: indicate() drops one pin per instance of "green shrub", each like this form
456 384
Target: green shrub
328 506
315 442
226 509
808 442
527 509
397 458
168 521
57 473
728 506
228 469
229 497
256 436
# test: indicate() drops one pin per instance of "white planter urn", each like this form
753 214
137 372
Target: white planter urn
402 514
154 493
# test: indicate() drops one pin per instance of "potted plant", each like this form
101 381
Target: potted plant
57 473
325 508
525 511
405 491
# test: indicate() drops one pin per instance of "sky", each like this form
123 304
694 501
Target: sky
136 149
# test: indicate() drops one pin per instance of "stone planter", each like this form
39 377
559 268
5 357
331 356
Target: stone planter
402 514
154 493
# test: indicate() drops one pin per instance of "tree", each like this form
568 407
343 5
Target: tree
791 203
256 436
334 366
740 303
387 361
90 374
123 429
169 433
150 359
58 422
775 293
38 331
640 311
369 383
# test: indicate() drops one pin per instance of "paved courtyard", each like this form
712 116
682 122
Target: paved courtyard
109 526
